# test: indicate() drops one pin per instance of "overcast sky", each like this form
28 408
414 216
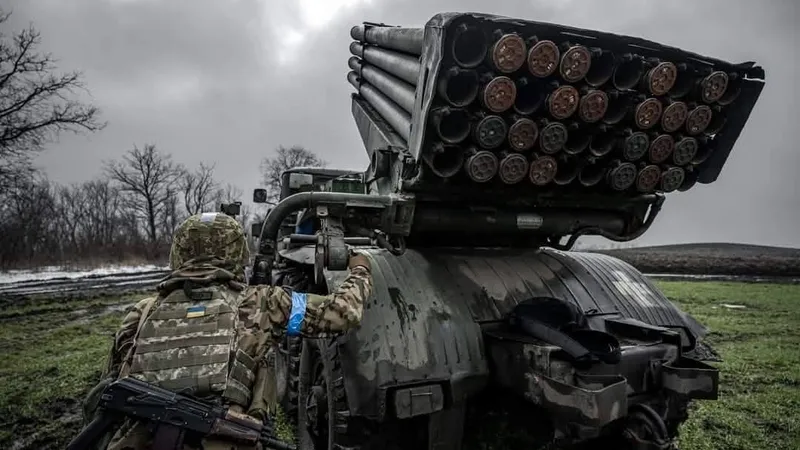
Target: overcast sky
227 81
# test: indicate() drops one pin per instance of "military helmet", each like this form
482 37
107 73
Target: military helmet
214 235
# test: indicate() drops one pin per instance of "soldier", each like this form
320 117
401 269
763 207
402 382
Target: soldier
206 332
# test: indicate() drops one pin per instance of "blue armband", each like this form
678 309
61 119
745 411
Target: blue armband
297 314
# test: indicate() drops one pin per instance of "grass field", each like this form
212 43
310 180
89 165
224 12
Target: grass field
53 351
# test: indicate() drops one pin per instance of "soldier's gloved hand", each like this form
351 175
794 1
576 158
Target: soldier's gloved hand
357 259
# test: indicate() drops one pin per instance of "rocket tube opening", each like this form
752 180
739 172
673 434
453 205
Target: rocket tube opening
685 151
530 97
452 125
635 146
563 102
490 132
628 73
672 179
459 87
522 134
508 53
674 116
689 180
622 176
591 174
683 82
446 160
542 170
499 94
553 137
481 166
567 172
733 90
661 148
469 46
648 113
647 179
602 69
717 123
543 58
577 142
575 63
698 120
513 168
713 87
661 78
618 105
602 143
702 154
593 106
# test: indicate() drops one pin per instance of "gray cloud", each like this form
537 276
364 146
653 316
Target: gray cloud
205 81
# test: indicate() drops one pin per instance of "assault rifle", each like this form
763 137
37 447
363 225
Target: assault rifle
173 415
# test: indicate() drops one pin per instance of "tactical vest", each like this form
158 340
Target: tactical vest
189 341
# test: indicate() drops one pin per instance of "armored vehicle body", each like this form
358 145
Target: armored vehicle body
491 141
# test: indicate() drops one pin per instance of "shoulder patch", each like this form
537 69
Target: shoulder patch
195 311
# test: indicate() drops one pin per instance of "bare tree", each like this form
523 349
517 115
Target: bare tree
36 103
150 180
199 189
285 158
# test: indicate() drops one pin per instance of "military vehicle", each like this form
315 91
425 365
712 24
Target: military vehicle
494 144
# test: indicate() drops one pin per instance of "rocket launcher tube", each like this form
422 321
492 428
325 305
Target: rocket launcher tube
398 64
407 40
445 160
391 113
401 92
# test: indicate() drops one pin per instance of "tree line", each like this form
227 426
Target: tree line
130 211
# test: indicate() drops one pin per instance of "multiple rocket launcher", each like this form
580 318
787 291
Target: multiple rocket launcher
515 104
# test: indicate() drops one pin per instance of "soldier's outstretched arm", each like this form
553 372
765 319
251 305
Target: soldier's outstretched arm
316 315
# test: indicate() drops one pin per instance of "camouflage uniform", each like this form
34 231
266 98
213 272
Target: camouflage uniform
211 250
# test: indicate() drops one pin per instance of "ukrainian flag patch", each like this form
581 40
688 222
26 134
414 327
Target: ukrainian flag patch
195 311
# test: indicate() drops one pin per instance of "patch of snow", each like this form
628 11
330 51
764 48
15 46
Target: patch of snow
55 272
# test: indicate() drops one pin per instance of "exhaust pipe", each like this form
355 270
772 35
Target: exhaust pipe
452 124
543 169
469 46
508 53
685 151
698 119
480 165
400 65
530 96
671 179
674 116
576 60
602 68
490 132
563 102
459 87
621 175
445 160
713 87
603 141
647 113
408 40
660 78
499 94
522 134
635 145
593 105
648 178
628 72
543 58
513 168
552 136
661 148
592 174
